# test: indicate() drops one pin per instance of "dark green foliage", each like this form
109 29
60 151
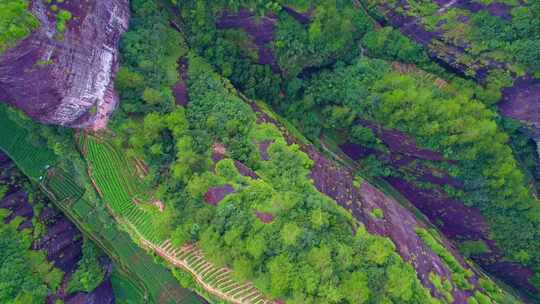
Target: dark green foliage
363 136
470 248
150 53
231 52
90 272
25 275
527 52
298 47
16 22
372 166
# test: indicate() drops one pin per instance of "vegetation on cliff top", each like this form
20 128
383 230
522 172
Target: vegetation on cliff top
16 22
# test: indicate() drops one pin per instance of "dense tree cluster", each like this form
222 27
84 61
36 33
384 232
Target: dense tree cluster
25 275
311 250
150 53
90 272
448 121
519 37
309 253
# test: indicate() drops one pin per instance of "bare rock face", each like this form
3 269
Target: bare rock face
67 80
262 32
522 102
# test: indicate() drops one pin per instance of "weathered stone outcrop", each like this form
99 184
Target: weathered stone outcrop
522 102
457 221
67 78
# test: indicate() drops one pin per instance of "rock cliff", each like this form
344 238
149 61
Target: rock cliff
66 78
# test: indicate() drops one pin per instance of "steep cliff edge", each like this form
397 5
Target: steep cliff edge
66 77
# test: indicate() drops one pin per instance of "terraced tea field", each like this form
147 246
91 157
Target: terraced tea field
118 185
31 158
216 280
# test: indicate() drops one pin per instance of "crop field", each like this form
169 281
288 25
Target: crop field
160 284
32 159
37 162
62 186
118 185
215 280
125 291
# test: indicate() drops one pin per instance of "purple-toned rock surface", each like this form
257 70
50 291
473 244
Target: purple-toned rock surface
454 219
356 151
263 149
64 81
101 295
447 52
245 170
264 217
457 220
214 195
180 89
522 102
261 30
304 18
401 142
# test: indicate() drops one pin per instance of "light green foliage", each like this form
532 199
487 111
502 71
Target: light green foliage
390 44
290 233
377 213
460 275
62 17
443 286
326 259
152 96
16 22
448 121
119 185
